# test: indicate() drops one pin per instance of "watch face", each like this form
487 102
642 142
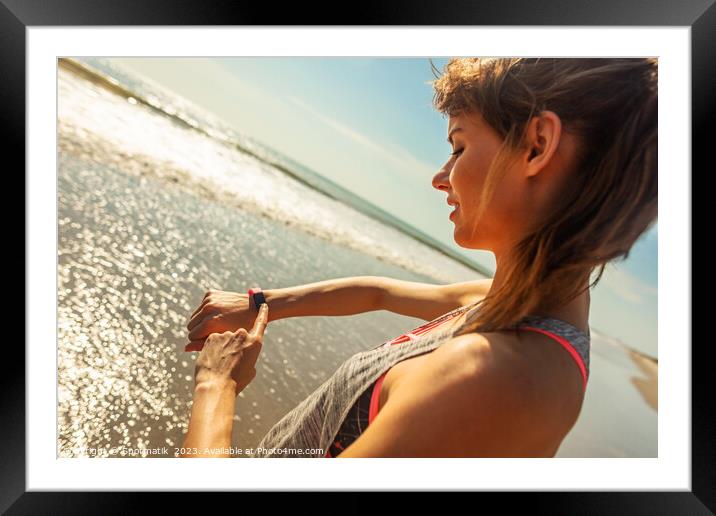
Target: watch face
259 299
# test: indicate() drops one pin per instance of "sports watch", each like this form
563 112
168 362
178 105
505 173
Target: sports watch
257 296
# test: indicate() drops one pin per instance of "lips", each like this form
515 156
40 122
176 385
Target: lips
454 204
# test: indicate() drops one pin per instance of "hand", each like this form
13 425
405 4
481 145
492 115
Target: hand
231 356
219 311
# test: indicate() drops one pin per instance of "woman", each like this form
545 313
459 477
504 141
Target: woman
553 170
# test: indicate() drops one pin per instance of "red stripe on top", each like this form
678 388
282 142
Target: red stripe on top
566 345
398 340
426 327
420 330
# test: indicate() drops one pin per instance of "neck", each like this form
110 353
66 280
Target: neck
575 311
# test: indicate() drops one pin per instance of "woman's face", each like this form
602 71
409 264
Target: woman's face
475 145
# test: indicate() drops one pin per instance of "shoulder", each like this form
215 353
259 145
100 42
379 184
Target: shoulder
474 397
486 365
534 379
522 383
526 367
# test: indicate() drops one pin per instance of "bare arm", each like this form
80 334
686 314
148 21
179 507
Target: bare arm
225 367
225 311
211 421
348 296
427 301
221 311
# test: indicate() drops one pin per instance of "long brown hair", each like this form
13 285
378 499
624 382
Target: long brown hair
611 199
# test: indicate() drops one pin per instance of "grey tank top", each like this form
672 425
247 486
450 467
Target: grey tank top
312 425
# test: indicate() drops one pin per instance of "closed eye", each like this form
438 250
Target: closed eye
457 152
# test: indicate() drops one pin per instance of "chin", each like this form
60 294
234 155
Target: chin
464 240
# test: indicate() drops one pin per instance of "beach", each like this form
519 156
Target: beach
158 202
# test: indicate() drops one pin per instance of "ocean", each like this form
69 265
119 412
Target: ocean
159 201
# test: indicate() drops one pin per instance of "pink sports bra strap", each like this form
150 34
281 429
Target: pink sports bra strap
566 345
375 398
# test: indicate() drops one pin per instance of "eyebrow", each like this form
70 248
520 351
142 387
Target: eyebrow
456 129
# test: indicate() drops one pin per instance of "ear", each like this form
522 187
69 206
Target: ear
543 135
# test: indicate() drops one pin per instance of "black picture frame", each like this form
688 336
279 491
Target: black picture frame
17 15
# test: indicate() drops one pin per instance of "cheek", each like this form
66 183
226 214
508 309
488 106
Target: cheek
508 204
468 184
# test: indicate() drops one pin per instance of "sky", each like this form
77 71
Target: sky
368 124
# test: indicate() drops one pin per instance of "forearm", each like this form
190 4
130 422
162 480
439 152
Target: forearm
341 296
211 421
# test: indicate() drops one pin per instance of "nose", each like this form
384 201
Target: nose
441 179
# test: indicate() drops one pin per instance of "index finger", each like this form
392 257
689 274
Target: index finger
261 321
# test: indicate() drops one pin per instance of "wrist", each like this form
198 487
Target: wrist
215 386
212 418
280 302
